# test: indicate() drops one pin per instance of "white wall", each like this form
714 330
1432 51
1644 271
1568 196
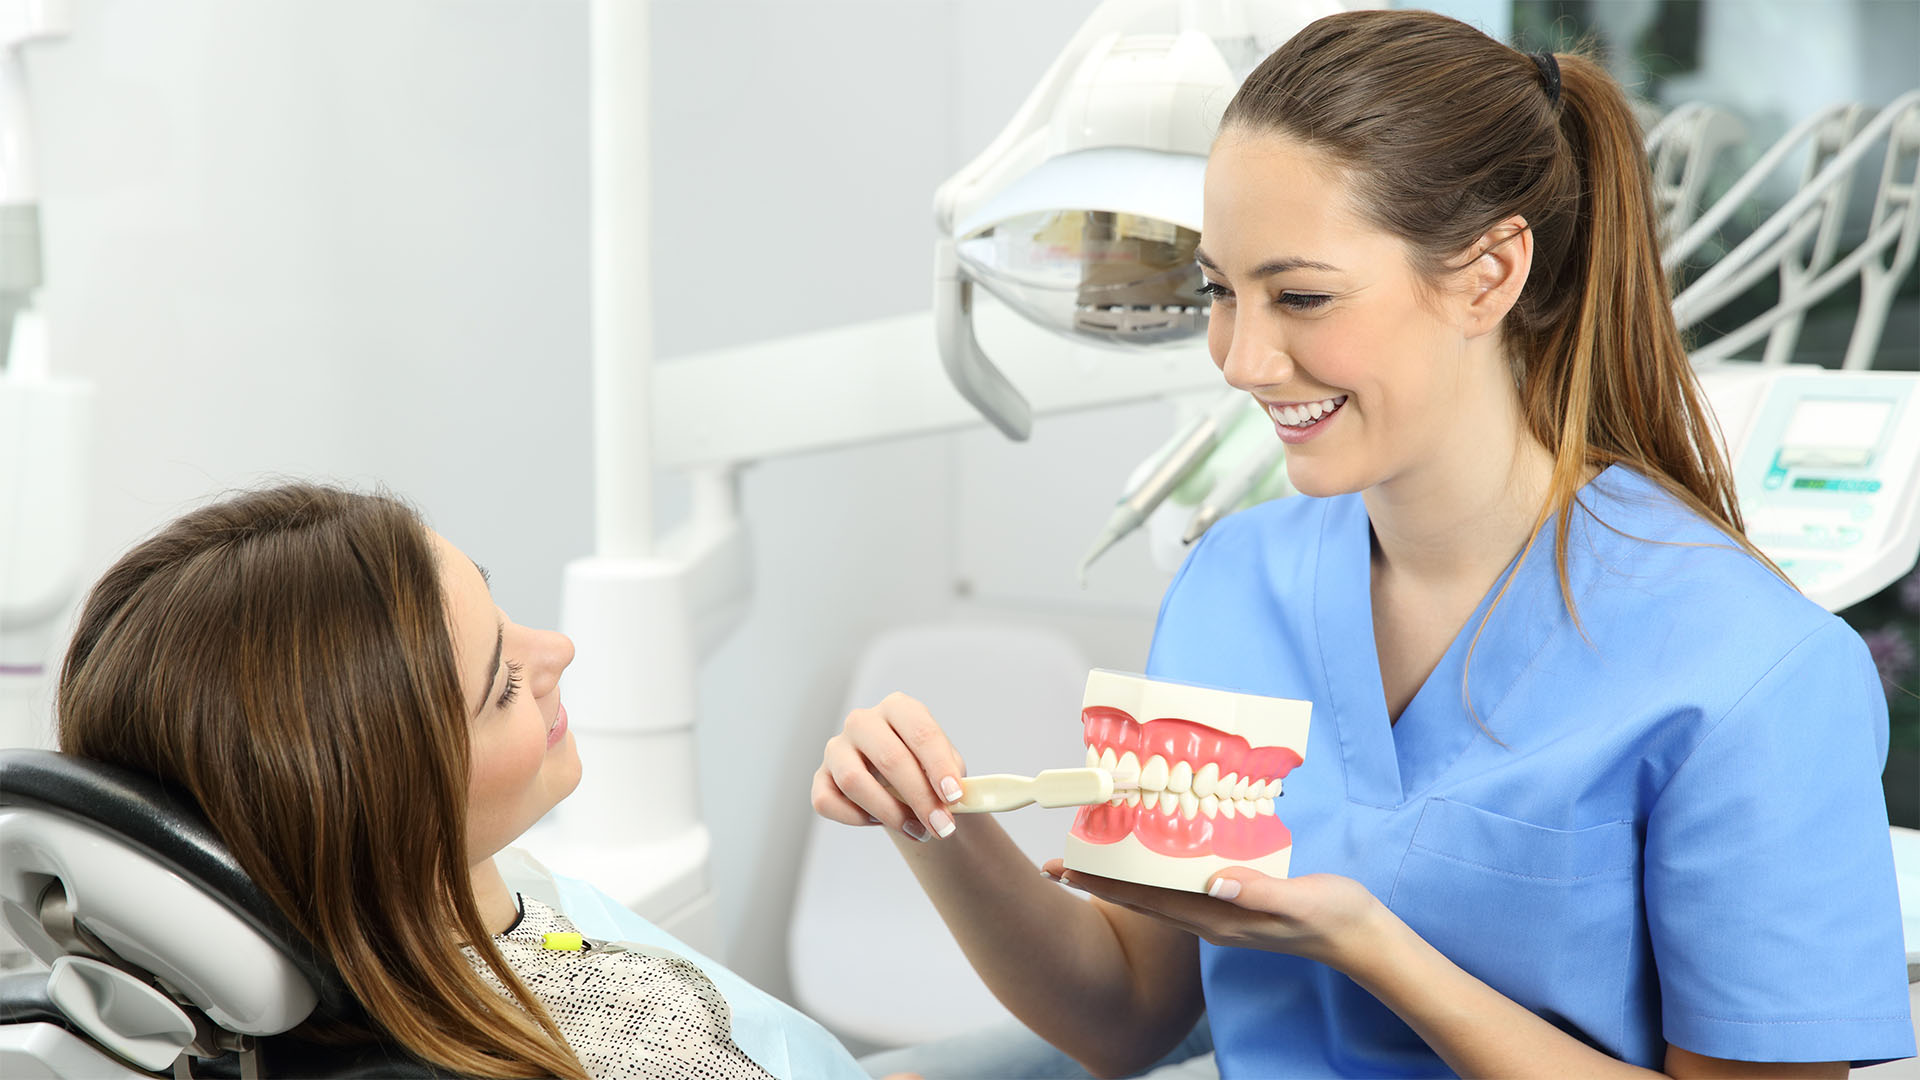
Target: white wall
348 239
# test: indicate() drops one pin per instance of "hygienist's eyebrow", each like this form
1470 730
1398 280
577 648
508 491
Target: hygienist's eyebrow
1271 266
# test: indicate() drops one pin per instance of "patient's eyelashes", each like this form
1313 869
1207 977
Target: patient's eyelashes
513 684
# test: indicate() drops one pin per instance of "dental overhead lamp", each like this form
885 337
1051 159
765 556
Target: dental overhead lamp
1084 214
43 419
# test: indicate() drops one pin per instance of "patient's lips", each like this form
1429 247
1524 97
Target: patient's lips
1202 791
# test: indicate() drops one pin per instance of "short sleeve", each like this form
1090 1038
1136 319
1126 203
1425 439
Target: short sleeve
1770 893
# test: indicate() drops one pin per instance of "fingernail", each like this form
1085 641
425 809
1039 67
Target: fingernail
916 830
951 789
942 823
1223 888
871 820
1048 874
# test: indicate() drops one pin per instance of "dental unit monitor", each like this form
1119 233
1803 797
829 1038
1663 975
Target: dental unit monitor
1827 464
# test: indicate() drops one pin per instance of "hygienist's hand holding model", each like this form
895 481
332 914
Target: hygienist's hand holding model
1594 789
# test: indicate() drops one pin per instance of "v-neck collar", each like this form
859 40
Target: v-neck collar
1388 764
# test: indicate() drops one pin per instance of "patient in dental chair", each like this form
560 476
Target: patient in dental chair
332 683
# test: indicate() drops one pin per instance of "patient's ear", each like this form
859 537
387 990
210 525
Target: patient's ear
1495 272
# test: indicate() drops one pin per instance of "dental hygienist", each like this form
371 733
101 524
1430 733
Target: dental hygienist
1592 790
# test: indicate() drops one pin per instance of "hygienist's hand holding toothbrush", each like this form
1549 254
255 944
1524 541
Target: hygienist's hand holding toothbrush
1113 989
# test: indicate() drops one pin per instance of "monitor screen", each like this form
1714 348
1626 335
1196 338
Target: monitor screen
1836 424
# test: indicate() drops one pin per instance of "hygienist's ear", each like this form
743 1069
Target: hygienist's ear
1496 273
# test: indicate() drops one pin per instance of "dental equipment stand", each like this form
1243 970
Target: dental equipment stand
644 612
1682 148
1812 214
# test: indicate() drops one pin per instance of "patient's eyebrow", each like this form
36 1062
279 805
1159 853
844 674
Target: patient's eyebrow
499 642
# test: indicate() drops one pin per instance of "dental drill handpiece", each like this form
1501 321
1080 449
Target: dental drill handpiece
1229 492
1190 447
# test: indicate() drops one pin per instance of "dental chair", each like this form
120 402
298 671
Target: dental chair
162 956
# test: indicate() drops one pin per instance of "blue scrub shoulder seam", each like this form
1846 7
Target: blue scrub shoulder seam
1707 735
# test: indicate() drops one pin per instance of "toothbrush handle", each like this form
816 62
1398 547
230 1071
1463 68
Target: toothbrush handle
993 793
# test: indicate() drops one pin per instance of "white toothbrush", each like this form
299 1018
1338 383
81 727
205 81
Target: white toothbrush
996 792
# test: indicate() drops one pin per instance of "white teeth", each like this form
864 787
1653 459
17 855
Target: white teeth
1093 758
1228 809
1207 781
1209 805
1264 806
1305 413
1153 777
1108 759
1116 801
1227 785
1189 805
1180 779
1247 807
1127 772
1169 802
1133 798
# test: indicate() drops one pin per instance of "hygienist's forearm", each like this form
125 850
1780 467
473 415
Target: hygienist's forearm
1475 1029
1113 998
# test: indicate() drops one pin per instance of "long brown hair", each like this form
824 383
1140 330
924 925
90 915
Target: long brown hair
284 657
1443 133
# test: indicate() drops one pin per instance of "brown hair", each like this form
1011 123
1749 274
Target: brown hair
284 657
1444 132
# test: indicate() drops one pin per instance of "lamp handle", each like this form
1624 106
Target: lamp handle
975 376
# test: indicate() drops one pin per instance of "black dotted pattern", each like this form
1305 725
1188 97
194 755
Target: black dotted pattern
630 1014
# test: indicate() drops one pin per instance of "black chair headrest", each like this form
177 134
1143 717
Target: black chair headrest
143 812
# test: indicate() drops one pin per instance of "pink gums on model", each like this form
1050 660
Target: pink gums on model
1230 836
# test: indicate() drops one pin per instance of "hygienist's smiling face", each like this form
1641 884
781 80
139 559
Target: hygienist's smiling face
1321 317
524 760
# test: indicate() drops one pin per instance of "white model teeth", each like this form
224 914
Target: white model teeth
1206 780
1171 786
1304 414
1180 778
1153 776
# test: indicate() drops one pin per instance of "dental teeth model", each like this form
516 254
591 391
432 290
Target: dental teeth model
1206 767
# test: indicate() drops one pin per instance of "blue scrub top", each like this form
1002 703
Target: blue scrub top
1675 833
